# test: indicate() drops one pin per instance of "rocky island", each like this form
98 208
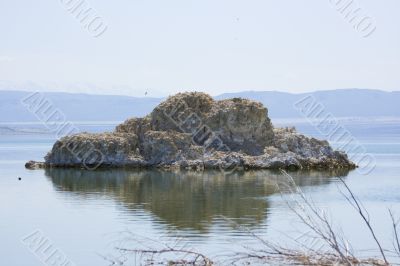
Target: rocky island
193 131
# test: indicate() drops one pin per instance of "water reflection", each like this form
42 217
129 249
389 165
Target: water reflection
184 200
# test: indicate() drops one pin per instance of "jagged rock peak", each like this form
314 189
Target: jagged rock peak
242 125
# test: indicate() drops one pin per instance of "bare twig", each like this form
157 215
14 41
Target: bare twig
204 260
317 221
352 199
395 225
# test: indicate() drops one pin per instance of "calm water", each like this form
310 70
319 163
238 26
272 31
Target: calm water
85 213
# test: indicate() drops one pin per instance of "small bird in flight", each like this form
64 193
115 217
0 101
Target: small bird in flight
19 178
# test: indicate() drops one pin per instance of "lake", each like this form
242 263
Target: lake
87 214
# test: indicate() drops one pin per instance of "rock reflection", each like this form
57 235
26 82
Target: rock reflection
185 200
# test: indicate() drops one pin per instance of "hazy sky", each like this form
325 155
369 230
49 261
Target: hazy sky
165 46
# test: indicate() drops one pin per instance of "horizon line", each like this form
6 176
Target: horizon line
159 97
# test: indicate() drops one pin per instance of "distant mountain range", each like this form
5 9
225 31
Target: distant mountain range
341 103
85 107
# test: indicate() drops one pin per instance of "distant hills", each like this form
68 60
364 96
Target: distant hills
341 103
85 107
77 107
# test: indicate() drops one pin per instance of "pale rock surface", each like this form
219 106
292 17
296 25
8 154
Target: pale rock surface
193 131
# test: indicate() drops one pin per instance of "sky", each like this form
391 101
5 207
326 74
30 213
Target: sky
162 47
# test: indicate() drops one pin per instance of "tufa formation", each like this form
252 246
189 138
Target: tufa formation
193 131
